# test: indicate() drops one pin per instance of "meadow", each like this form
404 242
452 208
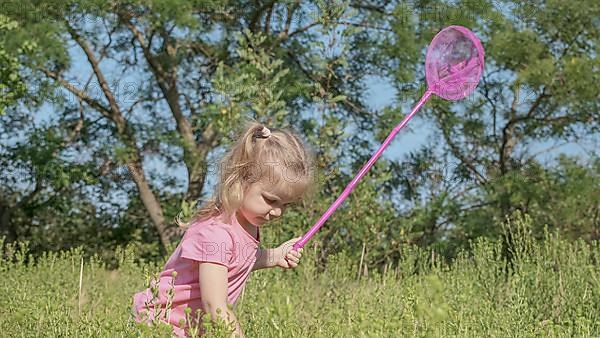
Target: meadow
548 287
113 115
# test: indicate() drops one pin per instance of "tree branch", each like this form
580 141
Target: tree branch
194 154
365 25
167 81
257 14
268 18
509 140
105 111
456 152
291 8
116 114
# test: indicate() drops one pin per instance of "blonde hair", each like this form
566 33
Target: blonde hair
259 154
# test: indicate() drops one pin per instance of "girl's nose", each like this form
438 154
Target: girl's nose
275 212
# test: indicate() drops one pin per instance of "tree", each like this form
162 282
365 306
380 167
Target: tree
143 92
197 69
538 87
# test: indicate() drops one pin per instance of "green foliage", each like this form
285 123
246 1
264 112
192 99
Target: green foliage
484 158
253 85
12 86
184 74
562 198
548 288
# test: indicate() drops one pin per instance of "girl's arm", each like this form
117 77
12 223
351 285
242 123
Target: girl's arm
263 259
213 291
282 256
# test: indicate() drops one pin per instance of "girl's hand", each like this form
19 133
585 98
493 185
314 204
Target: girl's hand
286 257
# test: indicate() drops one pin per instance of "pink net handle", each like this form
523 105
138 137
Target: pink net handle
454 63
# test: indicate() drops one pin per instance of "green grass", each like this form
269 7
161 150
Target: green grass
552 288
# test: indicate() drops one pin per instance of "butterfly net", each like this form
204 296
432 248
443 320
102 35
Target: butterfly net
454 63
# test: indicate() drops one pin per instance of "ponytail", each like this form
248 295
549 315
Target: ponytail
241 166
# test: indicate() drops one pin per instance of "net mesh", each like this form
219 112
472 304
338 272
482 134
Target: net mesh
454 63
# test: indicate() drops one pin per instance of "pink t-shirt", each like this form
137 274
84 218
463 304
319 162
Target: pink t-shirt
211 240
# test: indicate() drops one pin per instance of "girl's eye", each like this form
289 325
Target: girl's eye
268 200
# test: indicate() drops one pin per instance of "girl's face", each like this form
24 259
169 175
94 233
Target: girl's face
262 203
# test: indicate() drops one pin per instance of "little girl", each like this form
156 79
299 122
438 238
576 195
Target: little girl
260 176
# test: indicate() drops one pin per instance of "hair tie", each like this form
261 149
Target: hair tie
262 133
